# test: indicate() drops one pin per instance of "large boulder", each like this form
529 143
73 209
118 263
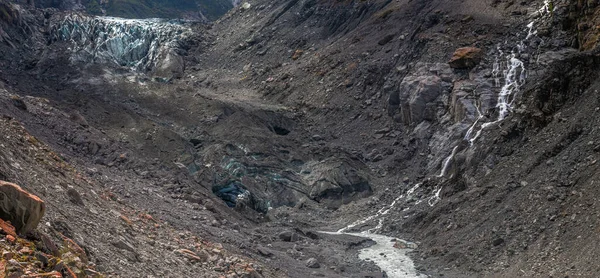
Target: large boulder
335 182
169 65
415 98
466 58
23 209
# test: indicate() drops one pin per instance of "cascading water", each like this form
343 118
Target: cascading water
513 77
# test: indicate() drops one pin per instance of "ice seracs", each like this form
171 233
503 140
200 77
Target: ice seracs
140 44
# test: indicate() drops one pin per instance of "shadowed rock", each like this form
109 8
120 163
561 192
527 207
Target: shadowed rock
466 58
23 209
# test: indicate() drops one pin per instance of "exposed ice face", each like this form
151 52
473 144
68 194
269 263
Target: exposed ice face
135 43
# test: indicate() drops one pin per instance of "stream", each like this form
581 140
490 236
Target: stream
393 260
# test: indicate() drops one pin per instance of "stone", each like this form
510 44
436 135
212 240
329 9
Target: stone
385 40
23 209
498 241
74 197
312 263
202 257
7 255
7 228
170 65
297 54
289 236
334 182
466 58
415 95
122 244
264 251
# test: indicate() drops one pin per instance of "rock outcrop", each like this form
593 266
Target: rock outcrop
416 98
336 182
466 58
23 209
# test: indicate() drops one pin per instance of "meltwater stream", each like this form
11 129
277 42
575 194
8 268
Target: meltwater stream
386 255
396 263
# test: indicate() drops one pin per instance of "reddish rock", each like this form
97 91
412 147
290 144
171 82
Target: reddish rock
202 257
10 238
23 209
7 228
466 58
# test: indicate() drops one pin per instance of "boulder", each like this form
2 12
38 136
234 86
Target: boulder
466 58
334 182
421 94
289 236
23 209
7 228
169 65
414 95
312 263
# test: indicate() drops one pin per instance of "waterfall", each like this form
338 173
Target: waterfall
446 163
514 76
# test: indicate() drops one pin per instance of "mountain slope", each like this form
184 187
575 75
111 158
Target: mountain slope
285 118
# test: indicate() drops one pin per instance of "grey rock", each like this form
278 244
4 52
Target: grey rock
334 182
312 263
289 236
414 99
264 251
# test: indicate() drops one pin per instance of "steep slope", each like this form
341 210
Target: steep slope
285 118
345 65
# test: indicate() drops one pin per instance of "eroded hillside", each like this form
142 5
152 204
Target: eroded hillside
241 140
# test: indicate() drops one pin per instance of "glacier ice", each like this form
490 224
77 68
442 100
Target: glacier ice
141 44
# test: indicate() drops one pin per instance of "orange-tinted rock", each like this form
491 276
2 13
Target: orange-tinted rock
23 209
202 257
466 58
10 238
7 228
297 54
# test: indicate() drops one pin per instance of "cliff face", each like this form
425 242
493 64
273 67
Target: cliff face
466 126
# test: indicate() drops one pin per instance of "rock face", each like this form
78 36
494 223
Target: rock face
415 99
21 208
466 58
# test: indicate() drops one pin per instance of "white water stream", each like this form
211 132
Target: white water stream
394 261
514 76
